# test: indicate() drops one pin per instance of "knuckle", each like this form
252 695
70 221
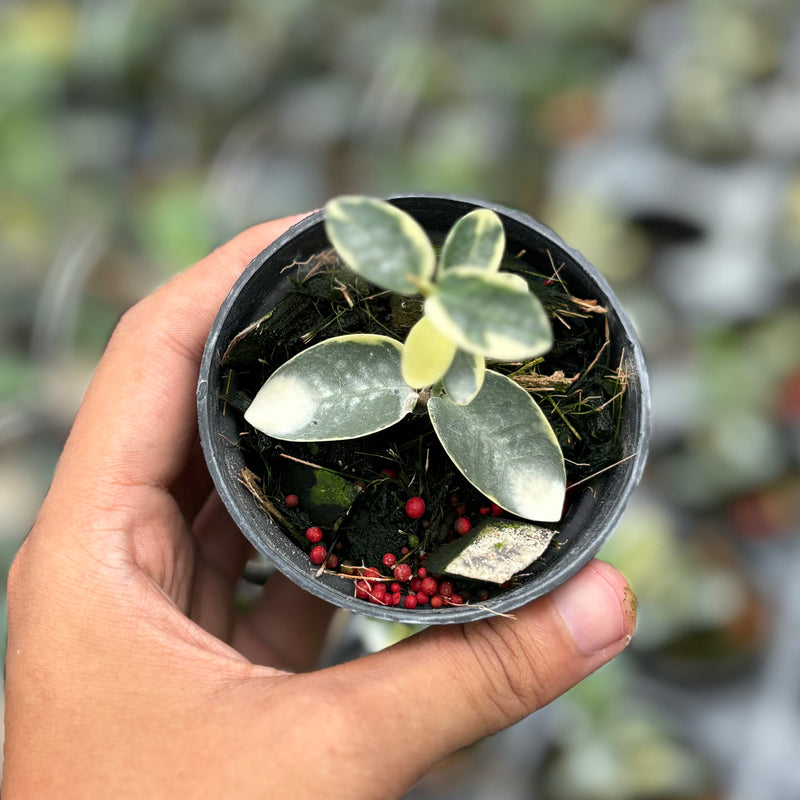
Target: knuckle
158 320
23 586
129 324
514 668
131 317
16 581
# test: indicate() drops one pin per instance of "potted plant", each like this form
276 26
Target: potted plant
428 409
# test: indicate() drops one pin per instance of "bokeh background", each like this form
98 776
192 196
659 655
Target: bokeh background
660 137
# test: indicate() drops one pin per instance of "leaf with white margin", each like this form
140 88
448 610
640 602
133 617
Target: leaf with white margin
494 550
465 377
478 239
504 446
427 354
342 388
380 242
490 314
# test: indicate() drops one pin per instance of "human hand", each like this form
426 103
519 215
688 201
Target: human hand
130 674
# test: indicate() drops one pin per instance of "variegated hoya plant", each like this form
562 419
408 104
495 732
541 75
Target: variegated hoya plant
350 386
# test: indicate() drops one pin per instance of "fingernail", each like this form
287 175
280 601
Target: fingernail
597 610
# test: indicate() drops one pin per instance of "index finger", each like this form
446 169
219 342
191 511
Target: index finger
138 420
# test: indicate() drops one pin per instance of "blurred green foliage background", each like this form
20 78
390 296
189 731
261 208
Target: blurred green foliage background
660 137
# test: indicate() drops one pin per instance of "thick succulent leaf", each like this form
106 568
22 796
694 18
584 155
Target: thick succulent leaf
478 239
505 447
341 388
513 279
490 314
465 377
427 354
380 242
494 550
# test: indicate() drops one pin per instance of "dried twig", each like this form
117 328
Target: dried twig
592 306
558 381
251 482
300 461
601 471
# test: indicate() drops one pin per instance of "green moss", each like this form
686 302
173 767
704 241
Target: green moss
324 495
330 489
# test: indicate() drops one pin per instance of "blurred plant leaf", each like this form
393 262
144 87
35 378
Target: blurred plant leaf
17 376
427 354
476 239
490 314
174 224
380 242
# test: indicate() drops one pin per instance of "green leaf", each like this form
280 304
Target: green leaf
504 446
516 280
341 388
426 355
494 550
490 314
478 239
380 242
465 377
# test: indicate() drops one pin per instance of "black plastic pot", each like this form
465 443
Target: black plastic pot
593 515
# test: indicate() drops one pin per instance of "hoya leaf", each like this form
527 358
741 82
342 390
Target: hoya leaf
341 388
494 550
490 314
426 354
380 242
504 446
465 377
478 239
513 279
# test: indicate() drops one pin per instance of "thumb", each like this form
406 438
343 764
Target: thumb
452 685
